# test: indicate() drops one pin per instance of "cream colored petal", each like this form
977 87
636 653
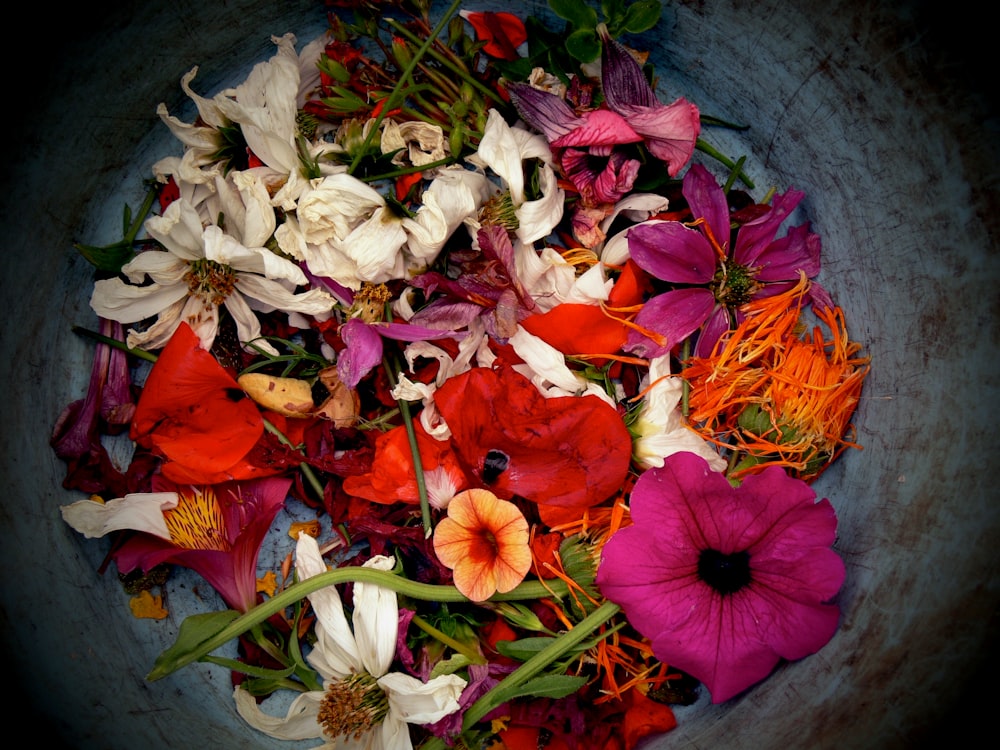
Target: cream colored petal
537 218
332 206
225 249
127 303
299 723
418 702
548 364
179 230
376 620
141 511
499 150
341 649
375 246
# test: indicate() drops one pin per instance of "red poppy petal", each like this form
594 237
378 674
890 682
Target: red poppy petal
578 329
568 451
192 411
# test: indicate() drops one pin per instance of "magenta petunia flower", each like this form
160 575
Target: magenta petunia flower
724 581
715 276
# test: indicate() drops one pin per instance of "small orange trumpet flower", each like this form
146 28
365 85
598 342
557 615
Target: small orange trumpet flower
778 397
484 540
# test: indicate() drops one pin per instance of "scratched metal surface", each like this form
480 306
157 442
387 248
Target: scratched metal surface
874 109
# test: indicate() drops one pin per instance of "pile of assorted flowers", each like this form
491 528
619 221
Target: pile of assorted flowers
478 297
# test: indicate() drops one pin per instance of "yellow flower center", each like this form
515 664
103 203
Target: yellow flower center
352 706
197 521
369 302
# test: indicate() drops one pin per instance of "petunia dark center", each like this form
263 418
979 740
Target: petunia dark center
727 574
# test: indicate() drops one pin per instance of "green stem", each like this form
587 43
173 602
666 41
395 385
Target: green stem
712 151
418 464
396 95
306 469
468 653
409 170
141 353
170 662
508 687
448 63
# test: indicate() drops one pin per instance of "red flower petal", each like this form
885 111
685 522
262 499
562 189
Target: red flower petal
192 411
569 452
502 32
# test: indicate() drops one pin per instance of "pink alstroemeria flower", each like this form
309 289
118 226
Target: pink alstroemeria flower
715 276
588 145
724 581
215 530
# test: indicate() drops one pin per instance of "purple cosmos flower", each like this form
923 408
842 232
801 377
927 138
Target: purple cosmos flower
725 581
588 145
714 278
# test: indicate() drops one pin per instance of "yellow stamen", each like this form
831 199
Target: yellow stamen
197 522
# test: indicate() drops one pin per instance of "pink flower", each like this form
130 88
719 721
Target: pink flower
589 144
725 581
717 276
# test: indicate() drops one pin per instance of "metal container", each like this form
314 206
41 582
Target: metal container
874 109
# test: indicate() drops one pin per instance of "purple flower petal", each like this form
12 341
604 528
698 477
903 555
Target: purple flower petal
622 80
362 353
707 201
781 260
674 315
547 113
718 323
755 235
672 252
599 127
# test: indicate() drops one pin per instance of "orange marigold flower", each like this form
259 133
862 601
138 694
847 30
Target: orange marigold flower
776 396
484 540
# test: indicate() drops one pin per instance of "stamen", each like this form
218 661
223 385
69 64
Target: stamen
369 302
211 279
352 706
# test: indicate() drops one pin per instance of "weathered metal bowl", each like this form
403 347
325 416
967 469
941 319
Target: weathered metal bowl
873 109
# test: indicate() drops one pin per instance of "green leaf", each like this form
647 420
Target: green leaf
450 665
584 45
194 631
109 258
642 16
524 648
549 686
235 665
577 13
